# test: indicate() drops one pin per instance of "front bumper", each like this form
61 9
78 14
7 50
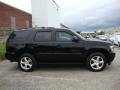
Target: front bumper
111 57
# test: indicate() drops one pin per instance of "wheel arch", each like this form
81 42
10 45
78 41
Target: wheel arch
23 51
103 51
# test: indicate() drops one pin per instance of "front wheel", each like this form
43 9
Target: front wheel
96 62
118 44
27 62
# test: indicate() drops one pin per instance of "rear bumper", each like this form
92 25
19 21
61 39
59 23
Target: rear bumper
10 56
111 57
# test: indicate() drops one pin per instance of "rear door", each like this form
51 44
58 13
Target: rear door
43 45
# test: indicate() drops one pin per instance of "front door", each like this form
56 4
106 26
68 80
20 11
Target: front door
65 49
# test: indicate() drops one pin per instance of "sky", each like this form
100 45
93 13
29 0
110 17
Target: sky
90 15
83 15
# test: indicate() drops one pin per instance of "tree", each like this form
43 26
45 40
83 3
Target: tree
78 32
100 33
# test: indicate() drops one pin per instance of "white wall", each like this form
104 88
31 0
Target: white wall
45 13
53 14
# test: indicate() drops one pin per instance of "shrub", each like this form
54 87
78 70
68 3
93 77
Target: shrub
2 51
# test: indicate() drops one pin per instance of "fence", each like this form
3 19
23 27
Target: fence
4 33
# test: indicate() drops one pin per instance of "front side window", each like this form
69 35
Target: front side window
43 36
63 36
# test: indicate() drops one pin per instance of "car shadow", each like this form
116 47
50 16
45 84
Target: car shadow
60 67
55 67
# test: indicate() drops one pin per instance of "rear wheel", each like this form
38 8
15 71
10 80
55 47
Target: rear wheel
27 62
96 62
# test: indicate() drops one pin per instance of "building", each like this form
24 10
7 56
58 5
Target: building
12 18
45 13
111 30
88 34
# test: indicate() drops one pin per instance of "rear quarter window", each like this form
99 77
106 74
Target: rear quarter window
19 36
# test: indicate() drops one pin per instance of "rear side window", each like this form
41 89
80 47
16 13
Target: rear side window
43 36
19 36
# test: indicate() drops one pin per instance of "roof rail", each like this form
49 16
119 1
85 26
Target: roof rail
44 28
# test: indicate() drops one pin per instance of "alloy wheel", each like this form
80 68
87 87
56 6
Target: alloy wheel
97 62
26 63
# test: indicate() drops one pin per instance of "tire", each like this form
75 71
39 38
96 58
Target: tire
27 62
96 62
118 44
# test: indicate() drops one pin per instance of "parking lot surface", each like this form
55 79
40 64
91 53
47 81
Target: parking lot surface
60 77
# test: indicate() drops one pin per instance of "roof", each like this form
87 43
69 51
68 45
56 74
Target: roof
42 28
63 26
14 8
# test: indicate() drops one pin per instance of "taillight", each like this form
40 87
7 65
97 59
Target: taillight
7 43
8 40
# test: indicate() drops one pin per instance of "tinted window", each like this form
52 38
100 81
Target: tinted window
19 36
63 36
43 36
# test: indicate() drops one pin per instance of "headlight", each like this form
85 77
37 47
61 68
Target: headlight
112 48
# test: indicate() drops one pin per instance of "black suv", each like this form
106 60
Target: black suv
53 45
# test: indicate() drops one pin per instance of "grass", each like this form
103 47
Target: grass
2 51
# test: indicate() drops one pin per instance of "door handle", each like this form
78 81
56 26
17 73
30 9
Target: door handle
75 50
58 45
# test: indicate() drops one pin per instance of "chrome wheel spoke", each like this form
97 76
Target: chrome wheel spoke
25 58
29 65
98 58
93 64
98 67
26 66
22 62
93 60
29 61
101 62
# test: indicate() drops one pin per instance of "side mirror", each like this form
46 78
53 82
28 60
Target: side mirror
75 39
